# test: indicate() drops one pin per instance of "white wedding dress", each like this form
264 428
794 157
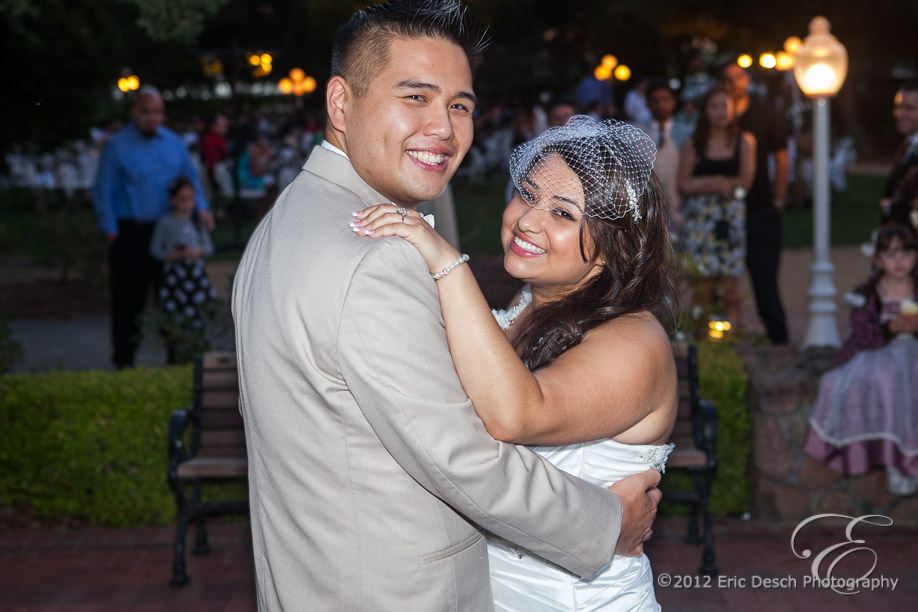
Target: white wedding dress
522 582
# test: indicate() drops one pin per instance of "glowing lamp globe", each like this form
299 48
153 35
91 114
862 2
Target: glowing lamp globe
822 62
309 84
784 60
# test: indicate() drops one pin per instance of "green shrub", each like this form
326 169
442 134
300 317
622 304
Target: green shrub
10 348
722 380
90 445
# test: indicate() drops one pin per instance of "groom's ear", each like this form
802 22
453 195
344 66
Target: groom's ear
338 95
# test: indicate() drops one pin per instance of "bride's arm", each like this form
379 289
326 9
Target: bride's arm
604 386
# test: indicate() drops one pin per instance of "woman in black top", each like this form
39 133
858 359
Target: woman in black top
716 169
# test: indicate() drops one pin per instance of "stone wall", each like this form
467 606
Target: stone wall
787 485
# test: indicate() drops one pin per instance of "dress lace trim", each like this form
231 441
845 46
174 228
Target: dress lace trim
505 318
656 456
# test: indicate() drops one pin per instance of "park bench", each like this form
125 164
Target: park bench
695 437
206 446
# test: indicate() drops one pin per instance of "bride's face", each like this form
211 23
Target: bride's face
541 232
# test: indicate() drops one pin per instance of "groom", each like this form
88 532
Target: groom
371 477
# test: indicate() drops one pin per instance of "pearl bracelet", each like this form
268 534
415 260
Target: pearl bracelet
462 259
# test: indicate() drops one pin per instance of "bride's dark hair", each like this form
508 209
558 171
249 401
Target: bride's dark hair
637 274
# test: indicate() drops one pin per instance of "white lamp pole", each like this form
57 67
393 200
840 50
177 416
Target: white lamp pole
820 70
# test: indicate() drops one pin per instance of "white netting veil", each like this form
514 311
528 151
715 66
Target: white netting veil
612 160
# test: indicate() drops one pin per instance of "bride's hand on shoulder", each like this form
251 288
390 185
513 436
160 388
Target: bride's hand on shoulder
390 220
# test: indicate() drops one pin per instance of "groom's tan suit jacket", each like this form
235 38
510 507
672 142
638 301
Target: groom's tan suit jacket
371 477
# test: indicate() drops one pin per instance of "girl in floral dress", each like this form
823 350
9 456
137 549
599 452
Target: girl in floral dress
716 169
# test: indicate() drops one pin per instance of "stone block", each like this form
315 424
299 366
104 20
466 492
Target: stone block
764 503
809 391
772 455
836 502
793 504
814 475
795 427
872 487
778 400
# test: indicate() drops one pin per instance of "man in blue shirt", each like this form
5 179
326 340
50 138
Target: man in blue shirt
130 195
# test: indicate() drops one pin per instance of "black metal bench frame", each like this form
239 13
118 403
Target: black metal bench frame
695 436
215 453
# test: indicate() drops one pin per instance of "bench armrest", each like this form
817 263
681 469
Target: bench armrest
177 449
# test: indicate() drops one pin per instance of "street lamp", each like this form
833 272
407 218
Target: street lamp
820 70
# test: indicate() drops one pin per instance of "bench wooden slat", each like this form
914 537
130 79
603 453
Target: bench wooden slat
222 452
227 400
220 380
206 467
222 437
217 361
221 419
686 455
682 433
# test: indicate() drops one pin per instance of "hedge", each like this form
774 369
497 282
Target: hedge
90 445
723 380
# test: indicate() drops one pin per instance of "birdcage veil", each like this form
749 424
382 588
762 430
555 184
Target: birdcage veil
612 160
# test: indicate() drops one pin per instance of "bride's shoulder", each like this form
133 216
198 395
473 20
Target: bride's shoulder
642 327
637 338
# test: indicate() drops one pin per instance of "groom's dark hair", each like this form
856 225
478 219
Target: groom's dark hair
361 44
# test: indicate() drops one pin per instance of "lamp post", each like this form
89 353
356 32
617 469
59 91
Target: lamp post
820 70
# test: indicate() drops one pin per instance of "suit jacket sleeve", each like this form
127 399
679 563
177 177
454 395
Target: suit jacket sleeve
394 356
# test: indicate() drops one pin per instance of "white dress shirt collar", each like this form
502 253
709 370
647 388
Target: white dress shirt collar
327 145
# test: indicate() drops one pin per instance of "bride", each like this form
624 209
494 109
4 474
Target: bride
579 367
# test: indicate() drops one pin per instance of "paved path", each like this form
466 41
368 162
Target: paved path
104 569
83 343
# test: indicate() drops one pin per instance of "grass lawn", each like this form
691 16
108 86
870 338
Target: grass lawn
854 215
479 206
42 236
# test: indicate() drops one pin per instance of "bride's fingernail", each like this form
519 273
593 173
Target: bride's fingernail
356 229
353 224
368 232
360 214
